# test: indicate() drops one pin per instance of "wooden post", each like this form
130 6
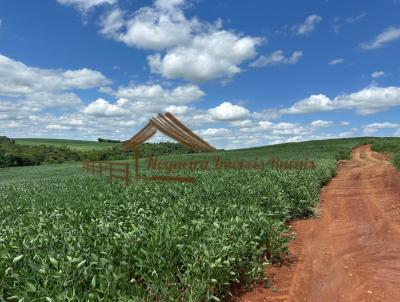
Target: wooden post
101 168
110 168
126 174
136 166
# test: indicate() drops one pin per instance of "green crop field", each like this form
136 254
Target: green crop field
72 144
324 149
68 236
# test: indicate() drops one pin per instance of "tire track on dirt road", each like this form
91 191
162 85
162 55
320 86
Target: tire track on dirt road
352 252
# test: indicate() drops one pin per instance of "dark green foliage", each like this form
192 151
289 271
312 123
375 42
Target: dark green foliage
5 139
12 154
105 140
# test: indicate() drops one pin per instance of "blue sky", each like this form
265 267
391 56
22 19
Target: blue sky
238 73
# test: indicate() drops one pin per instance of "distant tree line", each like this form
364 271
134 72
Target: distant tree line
12 154
105 140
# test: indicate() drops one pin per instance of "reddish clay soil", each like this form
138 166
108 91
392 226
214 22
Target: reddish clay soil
352 252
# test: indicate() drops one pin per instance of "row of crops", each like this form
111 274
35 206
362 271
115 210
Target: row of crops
80 238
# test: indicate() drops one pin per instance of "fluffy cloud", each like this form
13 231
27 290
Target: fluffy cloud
177 110
101 107
18 79
228 112
33 89
208 56
186 48
366 101
390 34
314 103
158 94
159 27
336 61
277 58
377 74
214 132
85 5
112 22
143 101
308 25
321 124
375 127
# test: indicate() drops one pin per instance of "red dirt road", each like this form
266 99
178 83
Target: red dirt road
352 252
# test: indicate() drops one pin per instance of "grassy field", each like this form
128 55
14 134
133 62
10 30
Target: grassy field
68 236
72 144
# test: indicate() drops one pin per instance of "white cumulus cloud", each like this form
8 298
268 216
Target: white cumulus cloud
35 88
185 48
366 101
158 28
17 78
101 107
208 56
228 112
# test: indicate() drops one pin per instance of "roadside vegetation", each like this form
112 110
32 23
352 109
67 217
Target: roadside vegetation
389 146
76 237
